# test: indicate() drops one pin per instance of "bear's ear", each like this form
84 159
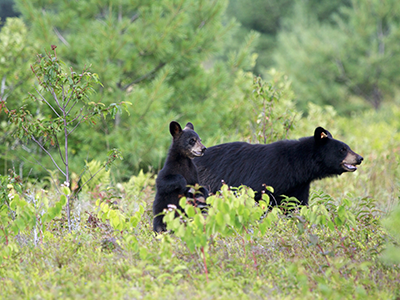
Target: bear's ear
175 128
189 126
320 134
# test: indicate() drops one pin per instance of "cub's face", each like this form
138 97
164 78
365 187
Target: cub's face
190 143
186 141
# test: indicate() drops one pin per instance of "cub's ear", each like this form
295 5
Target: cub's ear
189 126
320 134
175 128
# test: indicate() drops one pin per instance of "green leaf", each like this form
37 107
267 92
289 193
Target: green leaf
338 221
179 268
182 202
190 211
331 225
341 212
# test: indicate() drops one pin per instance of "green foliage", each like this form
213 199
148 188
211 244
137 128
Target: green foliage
102 176
347 61
328 235
267 17
16 50
70 106
231 213
161 57
330 249
392 224
263 17
118 220
136 186
341 53
274 109
21 212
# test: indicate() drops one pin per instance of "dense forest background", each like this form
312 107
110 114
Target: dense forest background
87 91
194 61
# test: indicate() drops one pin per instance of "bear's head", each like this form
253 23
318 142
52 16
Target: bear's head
336 156
186 141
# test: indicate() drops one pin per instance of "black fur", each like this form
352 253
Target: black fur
178 172
288 166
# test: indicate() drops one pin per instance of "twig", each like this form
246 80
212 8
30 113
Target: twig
89 179
47 152
73 88
160 65
63 93
79 122
47 103
48 171
58 146
76 117
134 18
71 107
62 39
53 93
69 98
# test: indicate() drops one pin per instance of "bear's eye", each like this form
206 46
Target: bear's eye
343 150
192 142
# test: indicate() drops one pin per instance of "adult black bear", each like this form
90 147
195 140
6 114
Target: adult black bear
288 166
178 172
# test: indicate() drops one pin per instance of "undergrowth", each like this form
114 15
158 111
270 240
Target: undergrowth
333 249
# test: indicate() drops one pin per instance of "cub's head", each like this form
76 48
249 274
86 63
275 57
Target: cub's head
186 141
336 156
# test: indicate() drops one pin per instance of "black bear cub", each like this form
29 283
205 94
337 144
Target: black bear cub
178 172
288 166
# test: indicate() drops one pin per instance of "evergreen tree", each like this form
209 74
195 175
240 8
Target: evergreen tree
16 52
342 63
158 55
267 18
263 17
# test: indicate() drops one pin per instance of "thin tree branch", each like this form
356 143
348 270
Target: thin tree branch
47 152
103 167
76 117
62 39
70 96
71 107
134 18
48 171
153 99
55 97
58 146
348 81
47 103
160 65
131 20
79 122
67 168
73 88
